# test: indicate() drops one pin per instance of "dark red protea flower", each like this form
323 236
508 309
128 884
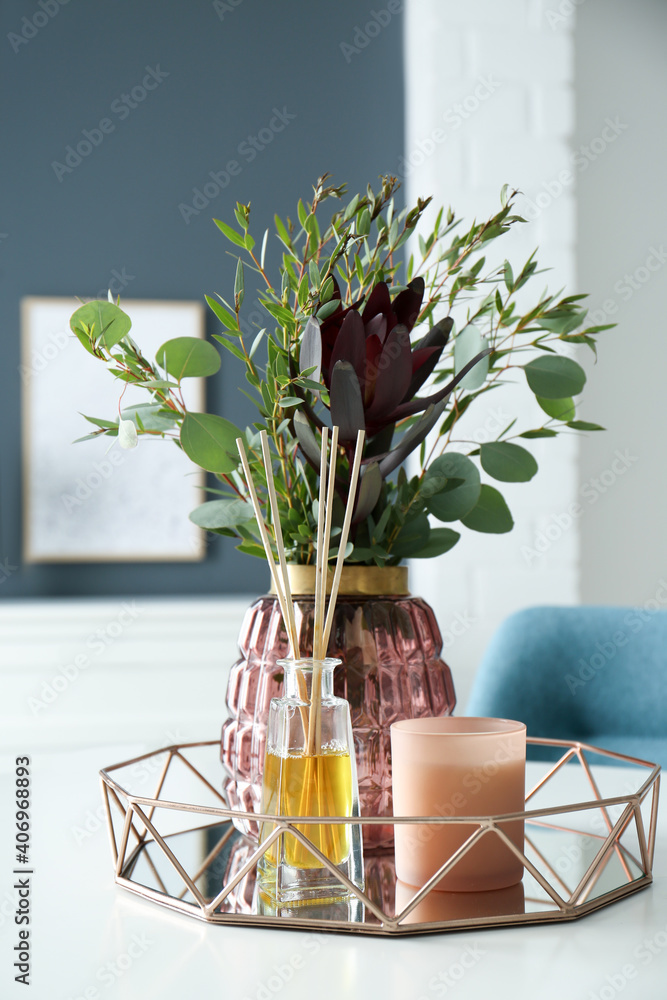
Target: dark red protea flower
375 342
373 374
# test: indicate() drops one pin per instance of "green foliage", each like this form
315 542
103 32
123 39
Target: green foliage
508 462
490 514
104 323
188 357
554 377
328 261
210 441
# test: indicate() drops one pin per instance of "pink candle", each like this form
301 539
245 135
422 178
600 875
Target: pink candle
458 767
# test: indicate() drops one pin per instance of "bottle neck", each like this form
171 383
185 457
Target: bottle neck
302 675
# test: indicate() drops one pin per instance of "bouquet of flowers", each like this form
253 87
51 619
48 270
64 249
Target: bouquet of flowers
358 337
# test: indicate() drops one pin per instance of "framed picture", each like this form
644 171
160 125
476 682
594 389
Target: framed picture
93 501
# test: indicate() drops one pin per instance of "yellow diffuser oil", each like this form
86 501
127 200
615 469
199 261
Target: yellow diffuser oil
309 786
302 780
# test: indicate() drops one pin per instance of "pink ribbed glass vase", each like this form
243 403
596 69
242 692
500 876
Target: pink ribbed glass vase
389 644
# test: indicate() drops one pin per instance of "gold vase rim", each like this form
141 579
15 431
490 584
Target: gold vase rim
355 581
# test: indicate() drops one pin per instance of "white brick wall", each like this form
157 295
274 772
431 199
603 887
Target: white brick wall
519 134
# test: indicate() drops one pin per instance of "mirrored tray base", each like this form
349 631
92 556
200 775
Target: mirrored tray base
589 841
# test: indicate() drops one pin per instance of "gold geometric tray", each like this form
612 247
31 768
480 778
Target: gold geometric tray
589 841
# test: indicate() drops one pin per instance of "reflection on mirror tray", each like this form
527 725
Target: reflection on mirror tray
215 855
445 906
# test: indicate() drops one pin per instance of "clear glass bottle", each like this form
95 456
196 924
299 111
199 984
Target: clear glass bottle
310 770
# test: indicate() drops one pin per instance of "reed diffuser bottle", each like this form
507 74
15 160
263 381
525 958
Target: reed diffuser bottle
310 770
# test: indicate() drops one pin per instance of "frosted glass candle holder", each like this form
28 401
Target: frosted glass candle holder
458 767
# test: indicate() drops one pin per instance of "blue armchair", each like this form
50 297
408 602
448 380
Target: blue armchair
598 674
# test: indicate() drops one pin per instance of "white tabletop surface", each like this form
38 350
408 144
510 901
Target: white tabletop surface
93 940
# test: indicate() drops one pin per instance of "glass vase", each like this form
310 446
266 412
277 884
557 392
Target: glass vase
310 770
389 644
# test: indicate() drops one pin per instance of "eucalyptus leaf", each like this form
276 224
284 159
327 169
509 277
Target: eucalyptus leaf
555 377
100 423
413 536
440 540
540 432
491 514
216 514
454 504
559 409
84 339
507 462
108 323
210 442
584 425
153 417
188 357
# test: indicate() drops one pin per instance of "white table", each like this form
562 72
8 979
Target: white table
93 940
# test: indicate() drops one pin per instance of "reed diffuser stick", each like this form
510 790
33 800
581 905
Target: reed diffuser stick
321 637
342 543
280 545
320 594
320 651
321 623
320 579
284 596
287 610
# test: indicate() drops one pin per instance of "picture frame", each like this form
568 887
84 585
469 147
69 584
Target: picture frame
93 501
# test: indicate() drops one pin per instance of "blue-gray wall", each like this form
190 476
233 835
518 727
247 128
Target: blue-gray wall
223 69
